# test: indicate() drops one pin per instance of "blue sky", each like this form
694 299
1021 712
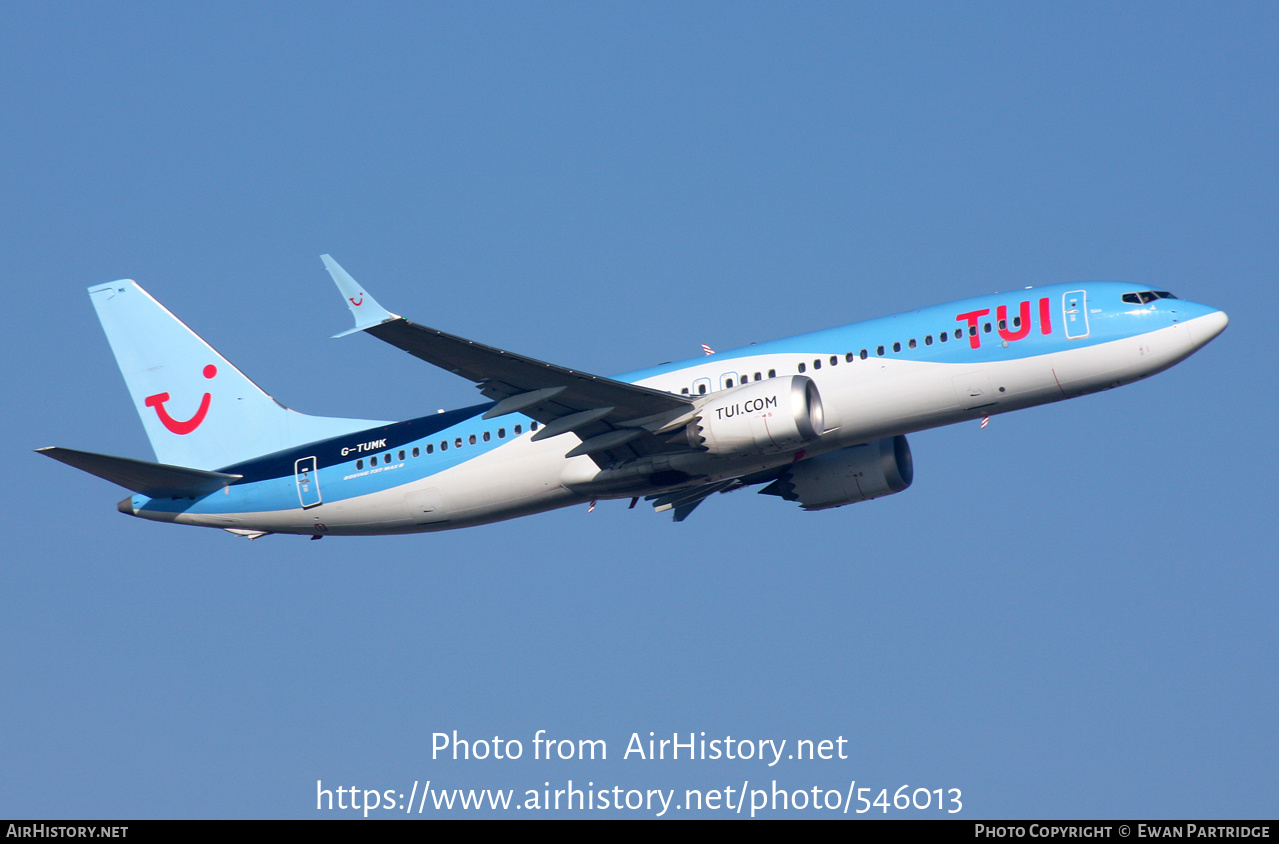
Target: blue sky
1069 614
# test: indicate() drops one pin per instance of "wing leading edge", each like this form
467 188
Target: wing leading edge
616 421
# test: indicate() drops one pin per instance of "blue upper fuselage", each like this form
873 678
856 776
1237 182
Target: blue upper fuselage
1102 316
999 327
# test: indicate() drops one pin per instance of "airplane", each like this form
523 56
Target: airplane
819 419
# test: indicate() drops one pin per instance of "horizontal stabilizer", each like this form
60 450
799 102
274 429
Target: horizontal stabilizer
155 480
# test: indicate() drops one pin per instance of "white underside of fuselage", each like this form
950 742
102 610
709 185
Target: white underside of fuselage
864 400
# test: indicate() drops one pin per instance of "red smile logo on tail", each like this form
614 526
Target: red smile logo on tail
182 426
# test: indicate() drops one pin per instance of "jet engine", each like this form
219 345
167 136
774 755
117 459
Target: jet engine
760 418
857 473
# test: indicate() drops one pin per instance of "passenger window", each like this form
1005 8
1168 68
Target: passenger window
848 358
401 454
928 339
471 439
1016 322
501 433
417 452
834 359
802 368
865 354
897 347
701 389
728 382
944 336
912 343
986 328
684 390
487 437
817 364
519 429
532 426
372 461
359 464
444 445
772 373
757 378
430 449
959 332
1003 325
387 458
879 350
972 331
457 442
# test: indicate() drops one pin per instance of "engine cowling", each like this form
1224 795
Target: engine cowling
764 417
857 473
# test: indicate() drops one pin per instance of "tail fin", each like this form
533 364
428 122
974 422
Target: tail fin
198 410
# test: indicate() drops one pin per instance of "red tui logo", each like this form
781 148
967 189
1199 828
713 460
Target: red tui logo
180 426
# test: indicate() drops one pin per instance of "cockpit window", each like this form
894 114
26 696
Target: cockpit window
1146 296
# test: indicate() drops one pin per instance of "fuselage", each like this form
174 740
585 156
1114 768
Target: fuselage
877 379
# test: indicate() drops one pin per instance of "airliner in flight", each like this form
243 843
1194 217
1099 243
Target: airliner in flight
819 419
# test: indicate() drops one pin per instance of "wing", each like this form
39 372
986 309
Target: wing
685 501
615 421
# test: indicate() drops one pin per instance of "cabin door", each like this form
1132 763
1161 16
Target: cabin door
1074 310
308 481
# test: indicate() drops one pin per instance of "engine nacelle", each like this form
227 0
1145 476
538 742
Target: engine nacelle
857 473
760 418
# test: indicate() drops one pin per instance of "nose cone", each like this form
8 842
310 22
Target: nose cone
1203 329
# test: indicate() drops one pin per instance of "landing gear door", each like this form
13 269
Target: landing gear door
308 480
1074 311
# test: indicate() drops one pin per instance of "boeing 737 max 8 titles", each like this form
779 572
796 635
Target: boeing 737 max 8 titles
819 419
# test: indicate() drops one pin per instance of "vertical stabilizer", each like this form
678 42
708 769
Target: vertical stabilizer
198 410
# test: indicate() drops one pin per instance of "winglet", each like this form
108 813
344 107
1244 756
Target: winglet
364 308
